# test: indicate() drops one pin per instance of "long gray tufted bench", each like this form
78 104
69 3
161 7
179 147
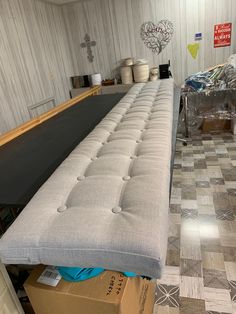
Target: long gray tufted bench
107 204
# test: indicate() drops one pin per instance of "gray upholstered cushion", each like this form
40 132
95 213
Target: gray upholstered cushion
107 203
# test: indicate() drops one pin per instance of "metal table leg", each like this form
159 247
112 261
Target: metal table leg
185 103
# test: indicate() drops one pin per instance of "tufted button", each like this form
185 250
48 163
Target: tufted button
126 178
133 157
94 158
139 141
143 130
116 210
61 209
80 178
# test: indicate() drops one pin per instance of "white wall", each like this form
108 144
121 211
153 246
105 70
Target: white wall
115 25
40 44
35 61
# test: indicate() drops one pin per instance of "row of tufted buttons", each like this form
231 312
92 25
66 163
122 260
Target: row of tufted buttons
116 209
106 142
110 133
125 178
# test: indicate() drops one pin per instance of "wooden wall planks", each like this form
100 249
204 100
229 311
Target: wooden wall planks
115 25
40 44
35 61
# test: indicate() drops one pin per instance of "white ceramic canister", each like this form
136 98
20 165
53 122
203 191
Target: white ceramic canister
126 75
128 62
96 79
141 73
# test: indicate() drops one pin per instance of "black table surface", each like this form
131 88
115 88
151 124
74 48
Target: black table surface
27 161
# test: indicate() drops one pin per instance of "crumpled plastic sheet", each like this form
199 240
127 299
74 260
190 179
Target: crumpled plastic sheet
230 76
219 78
212 105
203 81
211 95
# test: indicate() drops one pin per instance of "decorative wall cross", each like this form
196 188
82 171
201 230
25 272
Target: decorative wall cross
88 44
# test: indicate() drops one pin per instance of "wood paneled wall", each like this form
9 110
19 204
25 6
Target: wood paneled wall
40 44
35 61
115 25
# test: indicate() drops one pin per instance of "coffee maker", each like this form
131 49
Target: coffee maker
164 71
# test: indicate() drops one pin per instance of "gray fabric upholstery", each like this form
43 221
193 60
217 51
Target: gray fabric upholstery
107 204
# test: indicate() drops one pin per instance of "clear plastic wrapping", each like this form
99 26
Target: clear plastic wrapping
208 105
209 95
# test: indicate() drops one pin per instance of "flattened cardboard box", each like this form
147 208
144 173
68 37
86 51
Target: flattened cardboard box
109 293
215 125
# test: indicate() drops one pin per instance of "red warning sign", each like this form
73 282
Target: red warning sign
222 35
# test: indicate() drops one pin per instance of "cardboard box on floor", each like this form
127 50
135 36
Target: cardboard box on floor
216 125
109 293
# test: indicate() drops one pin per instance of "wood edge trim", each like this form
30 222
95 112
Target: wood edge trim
23 128
216 66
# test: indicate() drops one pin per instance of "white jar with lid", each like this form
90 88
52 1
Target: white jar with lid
141 72
126 75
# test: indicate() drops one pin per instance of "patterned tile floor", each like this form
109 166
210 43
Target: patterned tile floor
200 276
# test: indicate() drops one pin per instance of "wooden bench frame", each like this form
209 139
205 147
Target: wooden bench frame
21 129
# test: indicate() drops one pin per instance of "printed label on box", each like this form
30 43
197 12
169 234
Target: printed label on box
116 284
50 276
